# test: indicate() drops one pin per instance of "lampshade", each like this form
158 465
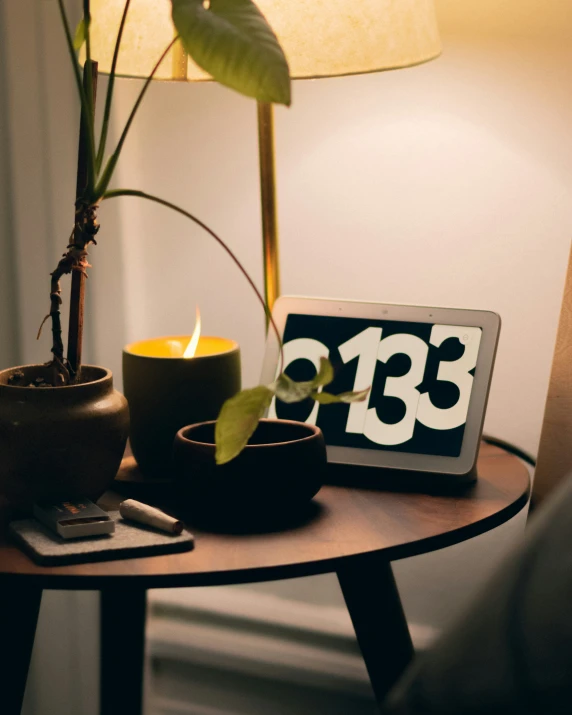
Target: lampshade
321 38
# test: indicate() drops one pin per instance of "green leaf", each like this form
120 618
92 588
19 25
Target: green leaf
326 398
80 35
237 421
290 391
325 373
232 41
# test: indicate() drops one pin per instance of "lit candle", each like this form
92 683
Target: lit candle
171 382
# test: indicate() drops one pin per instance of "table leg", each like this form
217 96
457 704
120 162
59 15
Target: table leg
123 612
19 608
381 629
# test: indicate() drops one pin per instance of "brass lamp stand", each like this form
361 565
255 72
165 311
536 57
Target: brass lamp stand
268 201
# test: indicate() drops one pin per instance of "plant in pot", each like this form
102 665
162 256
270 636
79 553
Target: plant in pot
244 467
63 427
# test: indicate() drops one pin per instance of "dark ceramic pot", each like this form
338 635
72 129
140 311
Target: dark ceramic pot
60 442
281 469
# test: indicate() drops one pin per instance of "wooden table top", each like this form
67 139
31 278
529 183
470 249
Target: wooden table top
346 522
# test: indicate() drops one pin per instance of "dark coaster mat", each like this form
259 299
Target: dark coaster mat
129 540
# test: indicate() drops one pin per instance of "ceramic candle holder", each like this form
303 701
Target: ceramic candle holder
166 391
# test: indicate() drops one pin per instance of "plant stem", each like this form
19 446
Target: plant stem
150 197
74 259
80 239
84 103
109 94
103 183
61 373
87 75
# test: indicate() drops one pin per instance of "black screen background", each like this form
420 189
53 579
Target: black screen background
332 419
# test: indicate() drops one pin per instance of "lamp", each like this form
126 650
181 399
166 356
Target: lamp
322 38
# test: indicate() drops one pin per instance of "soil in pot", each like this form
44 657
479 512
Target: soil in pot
59 442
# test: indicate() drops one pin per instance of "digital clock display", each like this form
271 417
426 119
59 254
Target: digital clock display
421 377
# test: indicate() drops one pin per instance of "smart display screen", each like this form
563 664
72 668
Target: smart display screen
421 375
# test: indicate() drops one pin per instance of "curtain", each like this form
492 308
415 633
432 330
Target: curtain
38 146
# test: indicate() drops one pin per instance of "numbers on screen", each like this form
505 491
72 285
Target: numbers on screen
364 346
369 346
403 387
303 349
455 371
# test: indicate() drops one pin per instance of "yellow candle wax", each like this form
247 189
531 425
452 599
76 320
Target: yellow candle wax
174 346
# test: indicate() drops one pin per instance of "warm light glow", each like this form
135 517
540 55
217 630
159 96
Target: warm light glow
322 38
194 341
173 346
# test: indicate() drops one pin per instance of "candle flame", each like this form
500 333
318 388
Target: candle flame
191 348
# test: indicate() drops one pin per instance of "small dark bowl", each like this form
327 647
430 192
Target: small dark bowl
278 472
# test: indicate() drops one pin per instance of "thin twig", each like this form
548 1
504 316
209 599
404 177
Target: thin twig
60 371
141 194
41 326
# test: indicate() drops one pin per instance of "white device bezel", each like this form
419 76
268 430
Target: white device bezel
489 322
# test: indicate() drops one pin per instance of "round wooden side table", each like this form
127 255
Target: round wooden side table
354 532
